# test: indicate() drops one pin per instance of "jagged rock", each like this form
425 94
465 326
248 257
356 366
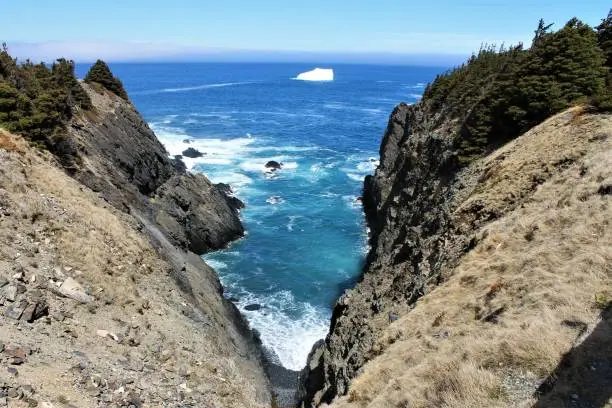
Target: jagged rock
192 153
27 390
72 289
14 393
191 212
10 292
3 282
416 168
197 214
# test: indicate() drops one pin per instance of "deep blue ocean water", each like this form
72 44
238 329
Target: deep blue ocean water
306 238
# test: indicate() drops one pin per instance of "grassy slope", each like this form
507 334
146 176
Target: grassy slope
544 266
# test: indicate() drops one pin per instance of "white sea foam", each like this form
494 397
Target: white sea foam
193 88
290 165
352 201
368 165
415 96
356 177
343 106
317 74
291 223
216 265
290 339
418 85
236 180
258 164
275 200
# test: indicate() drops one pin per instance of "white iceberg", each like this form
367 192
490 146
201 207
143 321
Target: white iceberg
317 74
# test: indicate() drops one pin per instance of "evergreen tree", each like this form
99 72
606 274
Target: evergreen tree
499 94
540 32
604 37
100 73
565 66
63 73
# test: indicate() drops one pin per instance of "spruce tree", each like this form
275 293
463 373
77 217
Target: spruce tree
604 37
100 73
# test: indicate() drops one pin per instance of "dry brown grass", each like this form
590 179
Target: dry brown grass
515 303
7 141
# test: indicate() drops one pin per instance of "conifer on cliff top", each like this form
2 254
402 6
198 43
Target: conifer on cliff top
100 73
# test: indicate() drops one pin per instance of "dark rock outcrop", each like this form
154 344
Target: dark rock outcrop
406 210
125 163
192 153
195 213
415 244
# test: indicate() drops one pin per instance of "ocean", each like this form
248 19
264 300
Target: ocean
306 236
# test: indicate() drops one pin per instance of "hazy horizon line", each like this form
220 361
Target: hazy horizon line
89 52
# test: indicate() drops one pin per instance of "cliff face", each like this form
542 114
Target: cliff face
428 219
104 297
126 164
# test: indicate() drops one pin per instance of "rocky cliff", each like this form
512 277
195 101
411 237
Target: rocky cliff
124 162
104 298
479 278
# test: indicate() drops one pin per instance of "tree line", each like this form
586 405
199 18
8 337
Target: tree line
501 92
37 100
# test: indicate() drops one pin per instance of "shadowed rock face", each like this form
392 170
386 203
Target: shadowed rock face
125 163
404 206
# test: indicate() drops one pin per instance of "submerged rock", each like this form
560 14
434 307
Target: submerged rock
275 200
253 307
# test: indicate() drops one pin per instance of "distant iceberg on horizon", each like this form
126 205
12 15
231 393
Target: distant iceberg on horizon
317 74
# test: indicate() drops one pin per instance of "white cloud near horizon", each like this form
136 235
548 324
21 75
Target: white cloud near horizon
87 51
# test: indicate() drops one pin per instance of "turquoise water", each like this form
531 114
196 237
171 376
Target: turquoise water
306 238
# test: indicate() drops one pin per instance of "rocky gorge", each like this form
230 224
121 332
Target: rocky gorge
487 281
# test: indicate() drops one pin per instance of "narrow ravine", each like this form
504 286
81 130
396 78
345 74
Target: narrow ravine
306 237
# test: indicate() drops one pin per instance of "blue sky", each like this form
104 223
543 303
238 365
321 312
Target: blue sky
189 29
